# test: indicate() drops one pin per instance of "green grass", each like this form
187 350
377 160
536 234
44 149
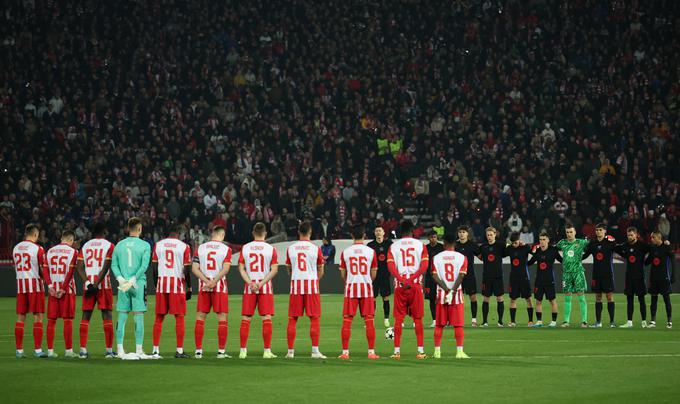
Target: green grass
507 365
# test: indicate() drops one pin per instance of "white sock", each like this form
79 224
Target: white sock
345 351
244 350
68 350
84 350
220 351
140 349
156 349
371 351
50 351
199 351
421 350
180 350
39 350
459 348
474 319
267 350
291 351
120 349
397 349
315 349
437 348
20 351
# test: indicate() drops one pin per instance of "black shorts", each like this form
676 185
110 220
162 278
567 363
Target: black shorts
492 286
381 284
519 288
544 290
659 286
635 287
470 285
430 287
602 282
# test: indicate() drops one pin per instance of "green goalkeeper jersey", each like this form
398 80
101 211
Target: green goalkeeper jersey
131 258
572 254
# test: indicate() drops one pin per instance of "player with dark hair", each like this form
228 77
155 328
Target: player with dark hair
634 253
573 273
491 253
602 250
520 282
544 255
381 283
94 262
430 292
661 276
470 250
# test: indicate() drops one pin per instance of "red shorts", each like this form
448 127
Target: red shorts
300 304
450 314
263 301
171 303
408 302
103 299
61 308
32 302
217 301
366 306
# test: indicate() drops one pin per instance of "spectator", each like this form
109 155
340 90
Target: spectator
328 251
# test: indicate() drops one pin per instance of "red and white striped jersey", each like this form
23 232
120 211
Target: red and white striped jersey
171 255
303 257
211 257
407 255
29 260
447 265
257 258
61 261
94 254
358 260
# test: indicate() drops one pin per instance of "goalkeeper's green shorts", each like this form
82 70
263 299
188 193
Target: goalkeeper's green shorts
574 282
132 300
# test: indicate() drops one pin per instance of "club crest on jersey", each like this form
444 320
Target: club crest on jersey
656 261
491 258
631 259
599 256
515 262
543 266
570 253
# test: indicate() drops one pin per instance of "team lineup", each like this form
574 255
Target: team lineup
442 274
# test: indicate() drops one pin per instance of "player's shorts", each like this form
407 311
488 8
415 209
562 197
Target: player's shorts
635 287
31 302
61 308
103 299
171 303
470 285
408 302
299 305
133 300
659 286
547 291
263 301
382 285
492 286
218 302
450 314
574 282
366 306
519 288
602 282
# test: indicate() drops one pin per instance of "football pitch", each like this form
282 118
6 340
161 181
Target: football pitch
506 365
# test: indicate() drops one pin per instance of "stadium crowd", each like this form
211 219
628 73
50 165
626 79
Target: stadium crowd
518 114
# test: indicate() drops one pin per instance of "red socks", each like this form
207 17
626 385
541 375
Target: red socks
222 334
158 329
108 333
243 332
199 330
346 332
267 333
460 334
51 325
180 330
419 331
292 324
37 335
84 326
19 335
68 333
370 332
314 330
397 331
438 331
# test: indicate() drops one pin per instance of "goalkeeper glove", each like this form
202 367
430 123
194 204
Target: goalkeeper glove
133 282
123 284
449 297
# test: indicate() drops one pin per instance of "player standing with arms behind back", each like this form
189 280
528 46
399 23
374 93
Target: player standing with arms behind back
407 261
211 265
381 283
130 261
258 265
305 262
358 268
172 267
29 260
61 263
573 273
94 262
448 270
